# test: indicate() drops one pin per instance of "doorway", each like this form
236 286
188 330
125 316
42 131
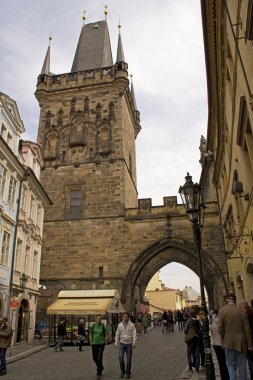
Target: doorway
23 321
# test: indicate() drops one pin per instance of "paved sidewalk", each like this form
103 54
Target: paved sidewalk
22 350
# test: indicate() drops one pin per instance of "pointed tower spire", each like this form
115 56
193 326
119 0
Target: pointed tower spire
46 64
120 52
133 94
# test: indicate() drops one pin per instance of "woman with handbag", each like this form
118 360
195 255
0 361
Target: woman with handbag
81 333
192 339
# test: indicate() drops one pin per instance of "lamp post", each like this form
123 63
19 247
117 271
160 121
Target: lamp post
192 200
23 280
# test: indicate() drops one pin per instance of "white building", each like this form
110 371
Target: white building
22 204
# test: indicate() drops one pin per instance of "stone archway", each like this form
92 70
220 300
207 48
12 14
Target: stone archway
163 252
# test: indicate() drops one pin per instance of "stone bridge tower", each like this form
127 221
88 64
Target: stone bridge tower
97 234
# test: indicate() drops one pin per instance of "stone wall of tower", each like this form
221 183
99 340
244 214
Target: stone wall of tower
87 134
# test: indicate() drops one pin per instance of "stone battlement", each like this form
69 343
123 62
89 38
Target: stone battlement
83 78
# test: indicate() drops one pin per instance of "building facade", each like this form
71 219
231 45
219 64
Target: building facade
11 172
97 233
22 204
227 154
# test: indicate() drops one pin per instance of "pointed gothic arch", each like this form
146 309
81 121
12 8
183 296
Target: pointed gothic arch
163 252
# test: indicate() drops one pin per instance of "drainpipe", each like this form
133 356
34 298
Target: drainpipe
26 174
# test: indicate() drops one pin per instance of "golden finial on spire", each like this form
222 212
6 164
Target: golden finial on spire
50 39
105 12
119 26
131 76
84 17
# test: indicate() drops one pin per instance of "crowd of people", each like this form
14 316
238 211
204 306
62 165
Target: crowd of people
231 332
231 329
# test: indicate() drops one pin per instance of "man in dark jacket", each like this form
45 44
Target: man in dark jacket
5 342
81 333
61 334
192 332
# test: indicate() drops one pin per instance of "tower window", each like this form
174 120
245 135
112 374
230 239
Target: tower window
101 272
75 203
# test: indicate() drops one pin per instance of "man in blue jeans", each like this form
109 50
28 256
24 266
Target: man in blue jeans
235 337
126 340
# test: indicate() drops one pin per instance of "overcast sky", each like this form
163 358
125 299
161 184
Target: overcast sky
163 46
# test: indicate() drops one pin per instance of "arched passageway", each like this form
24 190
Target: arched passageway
164 252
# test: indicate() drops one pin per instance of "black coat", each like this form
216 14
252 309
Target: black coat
81 329
62 329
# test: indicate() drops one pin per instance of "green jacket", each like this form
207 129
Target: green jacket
5 336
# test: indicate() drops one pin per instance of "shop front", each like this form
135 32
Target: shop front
75 304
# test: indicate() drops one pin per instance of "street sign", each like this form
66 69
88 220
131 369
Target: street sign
14 303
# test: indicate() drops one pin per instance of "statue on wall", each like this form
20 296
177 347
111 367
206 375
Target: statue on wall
104 139
50 146
77 136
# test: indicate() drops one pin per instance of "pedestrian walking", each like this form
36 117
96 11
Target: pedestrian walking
98 339
126 340
192 339
145 324
249 312
180 320
37 332
170 321
216 342
81 333
5 342
236 337
61 331
164 321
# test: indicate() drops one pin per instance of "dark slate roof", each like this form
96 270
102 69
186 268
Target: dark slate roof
94 48
46 64
120 52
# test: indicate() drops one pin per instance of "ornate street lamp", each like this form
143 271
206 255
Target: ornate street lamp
23 280
192 200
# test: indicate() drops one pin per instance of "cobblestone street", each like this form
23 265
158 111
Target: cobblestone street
157 356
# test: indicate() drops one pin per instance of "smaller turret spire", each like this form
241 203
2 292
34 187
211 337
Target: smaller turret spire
132 93
120 52
84 17
106 12
46 64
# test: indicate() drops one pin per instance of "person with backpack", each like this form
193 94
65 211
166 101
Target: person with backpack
98 336
192 332
5 342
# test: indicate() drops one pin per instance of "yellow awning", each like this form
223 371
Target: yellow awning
79 306
84 302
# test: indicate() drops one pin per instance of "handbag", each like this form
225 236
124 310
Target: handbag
191 333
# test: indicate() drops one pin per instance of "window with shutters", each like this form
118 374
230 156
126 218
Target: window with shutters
5 250
12 190
3 172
